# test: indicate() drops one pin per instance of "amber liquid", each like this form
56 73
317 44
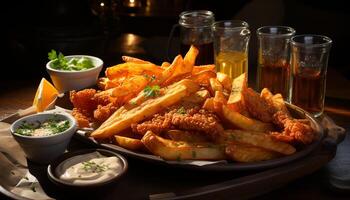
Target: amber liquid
205 55
275 78
232 63
309 91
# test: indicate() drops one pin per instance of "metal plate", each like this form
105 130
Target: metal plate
295 112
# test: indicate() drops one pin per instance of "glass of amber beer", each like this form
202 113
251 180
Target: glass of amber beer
231 39
309 62
274 59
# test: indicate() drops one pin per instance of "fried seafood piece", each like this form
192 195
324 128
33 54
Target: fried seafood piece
102 113
82 119
92 106
84 99
294 130
270 108
203 121
157 125
188 119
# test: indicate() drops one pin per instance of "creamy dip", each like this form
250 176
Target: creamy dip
89 169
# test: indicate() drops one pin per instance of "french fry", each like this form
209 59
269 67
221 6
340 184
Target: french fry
235 100
215 85
244 122
275 100
128 69
198 97
219 101
202 78
129 143
257 106
201 68
123 118
209 104
225 80
134 60
132 85
176 150
179 135
259 139
190 58
165 65
248 153
177 70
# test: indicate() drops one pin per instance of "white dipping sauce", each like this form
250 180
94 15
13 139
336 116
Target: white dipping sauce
89 168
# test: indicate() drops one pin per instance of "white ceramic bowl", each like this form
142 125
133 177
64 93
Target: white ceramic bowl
44 149
75 80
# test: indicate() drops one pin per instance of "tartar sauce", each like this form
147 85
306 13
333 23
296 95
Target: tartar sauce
89 168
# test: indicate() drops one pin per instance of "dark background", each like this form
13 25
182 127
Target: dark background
32 28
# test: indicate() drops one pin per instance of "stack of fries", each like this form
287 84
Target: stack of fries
244 139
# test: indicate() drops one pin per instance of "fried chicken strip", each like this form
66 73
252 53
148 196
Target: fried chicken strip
189 119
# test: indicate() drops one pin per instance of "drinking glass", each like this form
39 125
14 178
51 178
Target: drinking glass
231 39
195 29
309 62
274 59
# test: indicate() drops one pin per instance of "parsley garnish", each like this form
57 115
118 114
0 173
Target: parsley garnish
151 91
62 63
181 110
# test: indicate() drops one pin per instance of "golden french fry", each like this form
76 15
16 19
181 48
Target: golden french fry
219 101
123 118
176 71
225 80
198 97
179 135
129 143
209 104
134 60
201 68
244 122
177 150
215 85
202 78
128 69
165 65
190 57
259 139
275 100
235 100
131 85
257 106
248 153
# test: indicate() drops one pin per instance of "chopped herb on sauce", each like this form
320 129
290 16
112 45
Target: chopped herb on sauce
49 127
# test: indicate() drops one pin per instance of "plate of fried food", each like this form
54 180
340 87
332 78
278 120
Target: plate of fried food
191 116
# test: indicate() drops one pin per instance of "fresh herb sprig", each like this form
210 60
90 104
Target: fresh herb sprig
152 91
60 62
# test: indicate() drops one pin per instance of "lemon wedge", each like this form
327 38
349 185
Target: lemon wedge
45 95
